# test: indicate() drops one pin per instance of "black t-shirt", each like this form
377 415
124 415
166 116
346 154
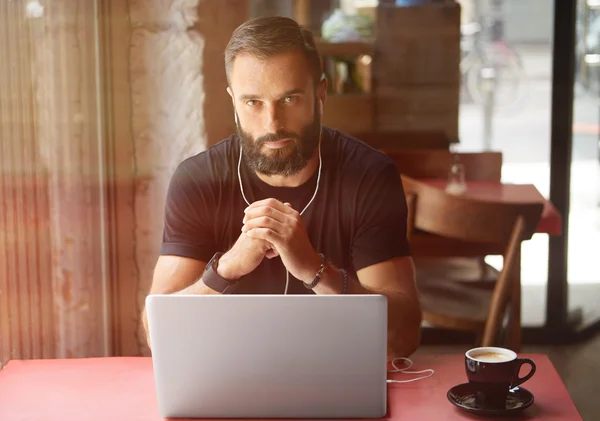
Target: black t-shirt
357 219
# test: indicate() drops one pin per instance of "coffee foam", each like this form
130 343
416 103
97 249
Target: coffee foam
491 357
481 352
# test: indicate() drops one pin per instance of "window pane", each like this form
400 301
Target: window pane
584 218
505 106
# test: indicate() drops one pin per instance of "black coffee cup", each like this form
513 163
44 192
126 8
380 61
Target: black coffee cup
493 372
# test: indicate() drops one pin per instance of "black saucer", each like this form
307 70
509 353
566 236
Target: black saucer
463 396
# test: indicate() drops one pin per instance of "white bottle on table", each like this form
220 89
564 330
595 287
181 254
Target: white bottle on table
456 177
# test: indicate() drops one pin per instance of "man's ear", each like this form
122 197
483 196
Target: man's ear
235 117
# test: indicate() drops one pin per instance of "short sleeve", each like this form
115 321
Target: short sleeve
381 219
186 231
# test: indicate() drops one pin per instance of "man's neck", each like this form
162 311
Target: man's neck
294 180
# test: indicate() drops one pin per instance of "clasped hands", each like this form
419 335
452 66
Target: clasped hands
272 228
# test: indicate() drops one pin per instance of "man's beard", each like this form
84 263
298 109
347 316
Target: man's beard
287 160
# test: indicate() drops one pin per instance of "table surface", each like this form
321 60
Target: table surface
551 220
122 388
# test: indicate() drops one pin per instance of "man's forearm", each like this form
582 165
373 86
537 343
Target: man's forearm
404 315
404 325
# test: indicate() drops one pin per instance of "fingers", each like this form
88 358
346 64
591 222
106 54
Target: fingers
273 203
264 222
269 220
258 245
266 234
262 211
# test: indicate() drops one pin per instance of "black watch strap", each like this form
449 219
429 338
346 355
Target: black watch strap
217 283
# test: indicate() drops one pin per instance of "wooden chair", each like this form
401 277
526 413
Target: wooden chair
435 163
448 303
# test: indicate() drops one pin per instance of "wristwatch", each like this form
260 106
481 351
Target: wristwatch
214 281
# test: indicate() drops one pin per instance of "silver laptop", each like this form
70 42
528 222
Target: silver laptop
269 356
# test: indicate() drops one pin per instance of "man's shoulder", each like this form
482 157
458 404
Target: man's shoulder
212 168
216 160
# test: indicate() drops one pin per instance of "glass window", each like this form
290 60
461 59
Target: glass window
506 70
584 218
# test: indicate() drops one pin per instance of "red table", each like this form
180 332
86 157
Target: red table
495 191
122 389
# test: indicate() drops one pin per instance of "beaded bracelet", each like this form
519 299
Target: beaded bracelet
345 276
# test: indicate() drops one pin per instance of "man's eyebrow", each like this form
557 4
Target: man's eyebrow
291 92
244 97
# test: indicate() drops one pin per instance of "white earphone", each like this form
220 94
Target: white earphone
405 371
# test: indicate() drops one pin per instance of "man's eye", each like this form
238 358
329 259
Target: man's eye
251 102
290 98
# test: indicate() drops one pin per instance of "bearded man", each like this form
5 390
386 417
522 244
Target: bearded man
287 206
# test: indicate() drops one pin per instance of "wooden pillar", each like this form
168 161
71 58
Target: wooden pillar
167 120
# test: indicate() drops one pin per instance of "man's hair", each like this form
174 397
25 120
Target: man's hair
265 37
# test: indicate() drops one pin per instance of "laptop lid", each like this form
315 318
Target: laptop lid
269 356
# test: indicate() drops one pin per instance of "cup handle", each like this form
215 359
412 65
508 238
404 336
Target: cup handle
520 380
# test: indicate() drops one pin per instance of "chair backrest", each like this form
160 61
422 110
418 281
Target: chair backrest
436 212
463 218
435 163
405 139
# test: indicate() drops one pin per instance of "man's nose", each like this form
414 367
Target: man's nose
273 122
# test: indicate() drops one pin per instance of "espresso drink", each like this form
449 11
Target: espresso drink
493 372
491 357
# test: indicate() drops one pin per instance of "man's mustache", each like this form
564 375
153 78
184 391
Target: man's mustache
274 137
